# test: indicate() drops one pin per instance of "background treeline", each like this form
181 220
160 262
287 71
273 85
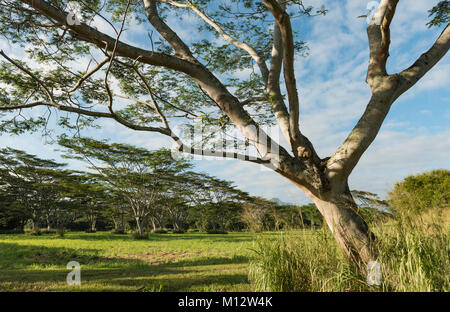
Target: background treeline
130 189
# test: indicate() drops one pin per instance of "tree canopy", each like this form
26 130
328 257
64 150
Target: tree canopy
165 81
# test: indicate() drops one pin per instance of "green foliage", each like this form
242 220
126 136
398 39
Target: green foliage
440 14
180 98
139 236
419 193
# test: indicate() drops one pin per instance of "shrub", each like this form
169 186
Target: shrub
48 232
137 235
416 194
36 232
216 232
118 231
160 231
179 231
60 232
12 231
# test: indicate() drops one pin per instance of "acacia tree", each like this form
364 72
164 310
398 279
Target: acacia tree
88 194
138 175
164 78
33 182
214 202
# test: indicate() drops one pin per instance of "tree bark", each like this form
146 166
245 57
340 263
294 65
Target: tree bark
352 233
93 223
35 225
140 225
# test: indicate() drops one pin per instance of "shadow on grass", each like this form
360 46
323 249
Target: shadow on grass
245 237
23 267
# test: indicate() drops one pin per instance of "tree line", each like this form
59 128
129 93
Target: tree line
126 188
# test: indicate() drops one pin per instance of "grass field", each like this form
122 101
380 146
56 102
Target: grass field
111 262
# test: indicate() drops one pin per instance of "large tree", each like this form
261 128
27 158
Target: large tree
34 183
165 81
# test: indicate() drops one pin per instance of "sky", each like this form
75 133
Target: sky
415 136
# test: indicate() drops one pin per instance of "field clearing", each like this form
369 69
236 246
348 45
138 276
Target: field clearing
111 262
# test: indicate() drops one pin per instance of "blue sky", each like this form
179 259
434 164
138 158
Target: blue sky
333 95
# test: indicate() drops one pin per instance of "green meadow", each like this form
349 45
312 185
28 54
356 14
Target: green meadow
112 262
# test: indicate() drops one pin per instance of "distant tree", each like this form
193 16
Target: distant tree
136 174
176 210
370 206
88 194
32 181
116 209
255 212
11 217
310 216
419 193
215 201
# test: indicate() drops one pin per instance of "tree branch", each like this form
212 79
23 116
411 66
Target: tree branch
300 145
273 84
181 49
384 93
88 34
426 61
378 33
239 44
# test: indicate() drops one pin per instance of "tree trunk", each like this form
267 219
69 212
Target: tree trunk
140 225
350 230
48 222
35 225
116 224
93 223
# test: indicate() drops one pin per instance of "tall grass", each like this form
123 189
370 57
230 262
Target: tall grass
413 253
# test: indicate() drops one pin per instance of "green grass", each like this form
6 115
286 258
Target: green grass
413 252
110 262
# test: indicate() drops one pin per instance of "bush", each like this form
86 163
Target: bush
179 231
60 232
48 232
118 231
216 232
36 232
417 194
160 231
13 231
137 235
